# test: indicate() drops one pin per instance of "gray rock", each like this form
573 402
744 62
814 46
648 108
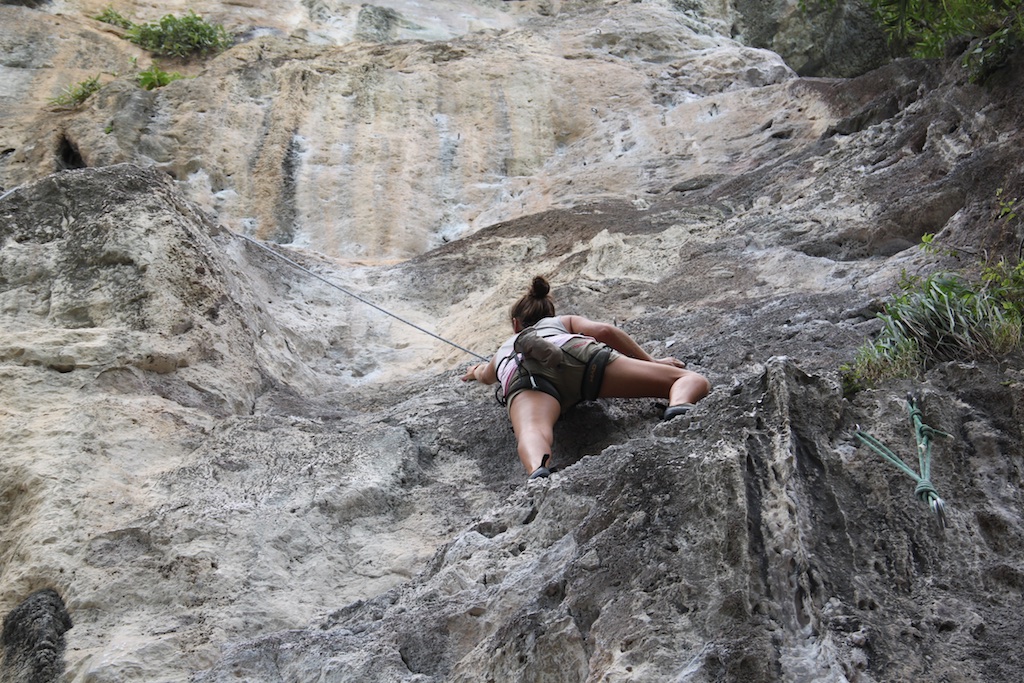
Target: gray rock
230 467
830 40
33 639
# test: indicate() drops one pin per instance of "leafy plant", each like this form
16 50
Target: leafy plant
184 36
944 317
881 360
113 17
74 95
154 77
992 52
1007 207
992 29
1005 283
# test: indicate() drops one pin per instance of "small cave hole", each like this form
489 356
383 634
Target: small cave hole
531 516
68 156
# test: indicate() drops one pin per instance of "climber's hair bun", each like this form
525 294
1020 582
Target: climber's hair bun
535 304
540 288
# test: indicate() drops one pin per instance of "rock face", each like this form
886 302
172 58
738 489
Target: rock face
220 465
840 39
754 544
33 639
338 146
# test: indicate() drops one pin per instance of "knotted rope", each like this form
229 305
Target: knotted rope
924 490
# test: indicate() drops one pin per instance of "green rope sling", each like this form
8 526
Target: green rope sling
924 490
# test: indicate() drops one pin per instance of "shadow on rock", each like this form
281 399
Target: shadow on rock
33 639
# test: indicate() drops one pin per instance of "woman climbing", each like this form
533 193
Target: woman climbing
552 363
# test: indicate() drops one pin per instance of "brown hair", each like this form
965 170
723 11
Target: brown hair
536 304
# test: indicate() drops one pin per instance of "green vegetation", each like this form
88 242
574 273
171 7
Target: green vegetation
988 31
179 37
946 316
154 77
1007 207
112 17
172 36
74 95
185 36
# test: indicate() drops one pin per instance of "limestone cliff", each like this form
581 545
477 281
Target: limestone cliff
219 466
378 151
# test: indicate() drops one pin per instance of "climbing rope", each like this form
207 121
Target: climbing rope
924 490
298 266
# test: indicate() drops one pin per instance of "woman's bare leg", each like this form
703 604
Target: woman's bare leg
533 415
627 377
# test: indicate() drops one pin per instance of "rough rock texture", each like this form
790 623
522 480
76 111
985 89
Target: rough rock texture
836 39
227 469
336 145
33 639
754 544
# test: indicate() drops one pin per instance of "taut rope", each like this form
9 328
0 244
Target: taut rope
298 266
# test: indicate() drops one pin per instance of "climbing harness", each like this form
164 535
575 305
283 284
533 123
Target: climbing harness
924 490
593 374
524 378
356 296
590 382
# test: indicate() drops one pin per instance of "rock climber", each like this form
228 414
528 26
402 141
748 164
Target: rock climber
552 363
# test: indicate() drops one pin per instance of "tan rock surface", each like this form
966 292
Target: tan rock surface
228 469
371 153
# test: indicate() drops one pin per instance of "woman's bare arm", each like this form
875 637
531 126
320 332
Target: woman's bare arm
482 372
614 337
606 333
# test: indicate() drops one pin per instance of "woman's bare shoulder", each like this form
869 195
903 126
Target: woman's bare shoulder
577 324
571 322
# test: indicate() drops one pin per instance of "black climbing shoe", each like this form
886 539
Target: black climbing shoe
677 410
542 472
532 345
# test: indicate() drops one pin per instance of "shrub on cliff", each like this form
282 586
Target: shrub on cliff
180 36
186 36
970 315
943 317
113 17
73 95
991 30
154 77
